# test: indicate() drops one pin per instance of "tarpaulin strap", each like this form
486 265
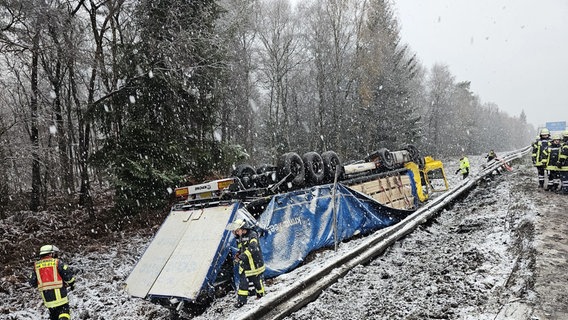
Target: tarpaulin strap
401 189
385 191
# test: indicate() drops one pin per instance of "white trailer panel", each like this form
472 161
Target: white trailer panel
179 259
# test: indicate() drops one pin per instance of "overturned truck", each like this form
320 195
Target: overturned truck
301 205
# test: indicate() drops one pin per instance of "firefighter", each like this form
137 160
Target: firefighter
553 165
464 167
563 163
249 259
54 279
491 155
537 154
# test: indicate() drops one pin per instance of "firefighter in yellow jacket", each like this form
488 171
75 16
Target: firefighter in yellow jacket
464 167
554 163
249 259
563 163
557 163
54 279
538 158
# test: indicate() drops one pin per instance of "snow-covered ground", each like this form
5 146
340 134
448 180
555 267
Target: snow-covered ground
495 253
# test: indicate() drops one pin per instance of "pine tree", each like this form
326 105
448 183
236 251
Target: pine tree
163 118
386 79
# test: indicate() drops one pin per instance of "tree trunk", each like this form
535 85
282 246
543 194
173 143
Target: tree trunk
85 193
34 132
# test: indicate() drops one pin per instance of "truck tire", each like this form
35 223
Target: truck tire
291 163
414 154
266 175
313 165
331 164
245 173
386 158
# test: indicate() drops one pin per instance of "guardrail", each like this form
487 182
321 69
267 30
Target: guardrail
283 303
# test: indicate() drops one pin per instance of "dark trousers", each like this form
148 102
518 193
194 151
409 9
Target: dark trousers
553 180
564 181
59 313
258 283
540 170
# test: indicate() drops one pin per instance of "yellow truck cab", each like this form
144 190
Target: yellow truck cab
431 178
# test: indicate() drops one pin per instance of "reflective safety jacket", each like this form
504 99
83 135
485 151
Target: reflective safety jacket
251 261
552 158
464 165
538 152
563 158
52 277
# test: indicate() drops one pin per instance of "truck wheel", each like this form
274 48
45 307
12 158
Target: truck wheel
331 164
313 165
386 158
245 173
291 163
266 175
413 151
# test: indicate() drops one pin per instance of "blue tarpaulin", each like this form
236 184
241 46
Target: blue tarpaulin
190 248
300 222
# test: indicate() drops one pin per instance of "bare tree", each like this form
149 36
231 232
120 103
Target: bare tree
238 28
440 85
330 36
21 36
278 44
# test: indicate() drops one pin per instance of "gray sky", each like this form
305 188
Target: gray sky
515 52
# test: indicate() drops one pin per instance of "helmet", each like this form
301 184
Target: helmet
556 136
237 224
544 131
565 134
47 249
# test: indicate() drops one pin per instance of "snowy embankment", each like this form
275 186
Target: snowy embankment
465 263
